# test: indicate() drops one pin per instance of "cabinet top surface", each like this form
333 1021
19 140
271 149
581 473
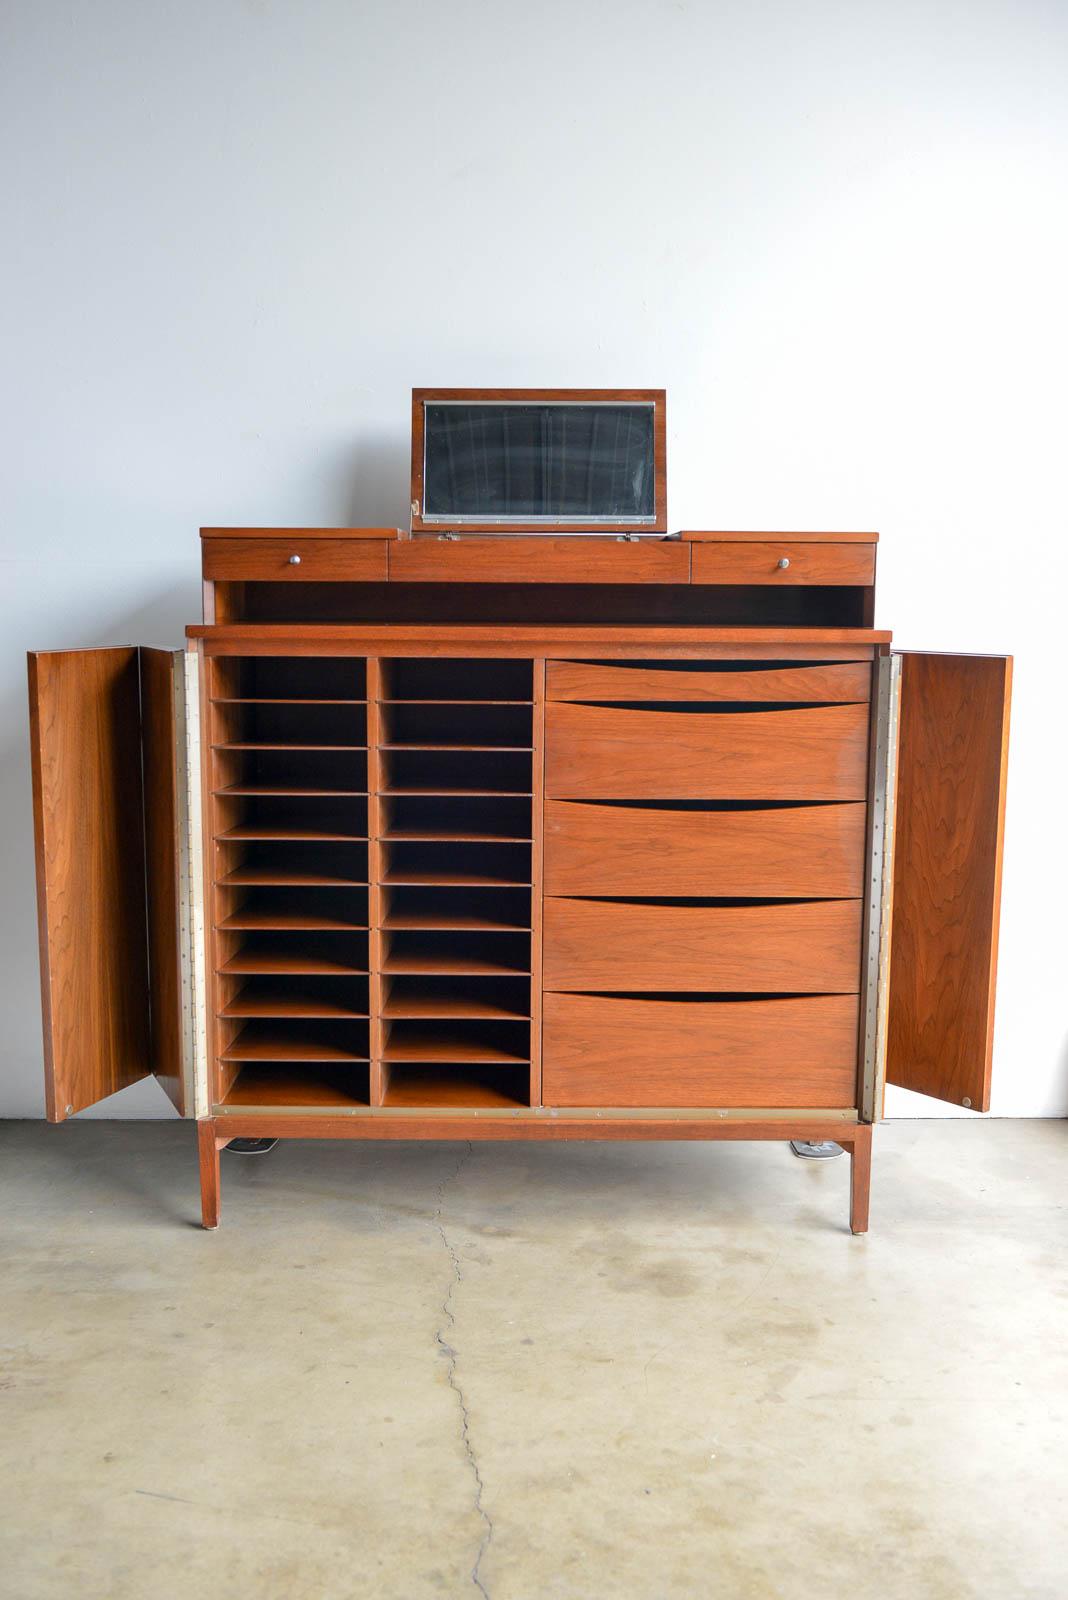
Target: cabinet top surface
535 636
686 536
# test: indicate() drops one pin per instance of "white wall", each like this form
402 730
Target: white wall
238 233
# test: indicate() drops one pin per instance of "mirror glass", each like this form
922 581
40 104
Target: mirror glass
567 461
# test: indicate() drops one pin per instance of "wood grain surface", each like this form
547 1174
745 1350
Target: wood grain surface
603 1050
811 753
90 854
784 851
287 535
598 680
952 753
751 536
808 563
533 1125
550 639
321 560
541 560
810 947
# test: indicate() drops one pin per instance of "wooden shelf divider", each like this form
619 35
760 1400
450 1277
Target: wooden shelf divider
379 1076
537 854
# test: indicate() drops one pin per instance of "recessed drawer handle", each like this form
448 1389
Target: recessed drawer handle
784 562
294 561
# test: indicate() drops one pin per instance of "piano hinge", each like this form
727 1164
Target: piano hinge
191 885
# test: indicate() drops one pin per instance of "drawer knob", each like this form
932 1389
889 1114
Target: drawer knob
784 562
294 561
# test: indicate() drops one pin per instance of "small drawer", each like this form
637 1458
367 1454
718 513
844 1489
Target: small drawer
541 560
789 852
602 1050
812 947
297 560
769 681
610 752
784 563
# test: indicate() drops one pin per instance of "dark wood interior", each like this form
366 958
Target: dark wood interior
599 603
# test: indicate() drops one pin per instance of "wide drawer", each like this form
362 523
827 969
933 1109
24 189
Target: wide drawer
781 851
807 753
764 563
691 680
297 561
503 560
812 947
608 1051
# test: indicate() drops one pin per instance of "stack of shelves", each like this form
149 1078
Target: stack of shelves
289 867
373 889
453 883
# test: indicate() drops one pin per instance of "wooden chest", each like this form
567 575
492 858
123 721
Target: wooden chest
420 840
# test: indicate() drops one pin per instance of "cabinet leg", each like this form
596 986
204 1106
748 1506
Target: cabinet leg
860 1178
209 1173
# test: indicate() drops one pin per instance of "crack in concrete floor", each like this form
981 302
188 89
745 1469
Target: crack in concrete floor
452 1371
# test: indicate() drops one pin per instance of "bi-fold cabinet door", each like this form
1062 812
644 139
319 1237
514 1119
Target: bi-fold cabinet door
947 736
110 746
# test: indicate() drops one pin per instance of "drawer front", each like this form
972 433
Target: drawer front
606 1051
809 948
807 563
811 753
787 852
503 560
321 560
597 680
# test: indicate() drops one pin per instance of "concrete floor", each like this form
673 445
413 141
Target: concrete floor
406 1371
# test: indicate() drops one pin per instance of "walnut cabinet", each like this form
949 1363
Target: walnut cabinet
374 866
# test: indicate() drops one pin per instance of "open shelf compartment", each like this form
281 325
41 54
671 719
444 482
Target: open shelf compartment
372 867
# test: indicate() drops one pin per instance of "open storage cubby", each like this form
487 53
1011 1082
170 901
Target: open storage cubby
432 954
445 772
455 858
446 680
330 679
290 817
314 954
294 995
460 862
372 868
314 1086
419 725
476 818
290 873
296 725
454 1084
445 998
285 861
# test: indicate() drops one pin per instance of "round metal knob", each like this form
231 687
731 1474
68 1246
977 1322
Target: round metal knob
294 561
784 562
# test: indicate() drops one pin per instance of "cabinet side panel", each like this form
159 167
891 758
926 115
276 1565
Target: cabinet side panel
88 820
952 749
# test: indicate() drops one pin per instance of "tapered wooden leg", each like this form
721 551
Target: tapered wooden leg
860 1178
209 1173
